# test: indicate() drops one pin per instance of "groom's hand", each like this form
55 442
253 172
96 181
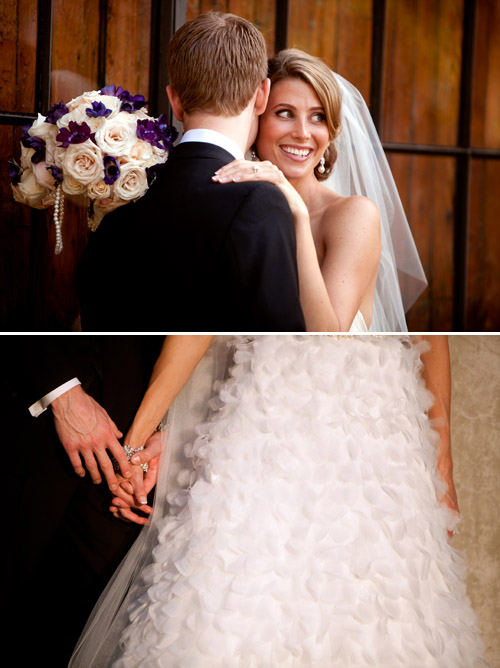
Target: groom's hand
87 433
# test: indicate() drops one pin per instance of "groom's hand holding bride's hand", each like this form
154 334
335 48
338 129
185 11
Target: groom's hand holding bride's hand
87 433
132 493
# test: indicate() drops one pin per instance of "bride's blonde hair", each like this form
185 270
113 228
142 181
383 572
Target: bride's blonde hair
297 64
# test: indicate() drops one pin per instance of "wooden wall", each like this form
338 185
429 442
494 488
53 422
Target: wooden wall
420 101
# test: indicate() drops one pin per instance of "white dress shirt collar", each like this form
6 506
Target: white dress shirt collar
214 137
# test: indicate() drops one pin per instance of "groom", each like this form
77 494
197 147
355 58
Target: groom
64 545
192 255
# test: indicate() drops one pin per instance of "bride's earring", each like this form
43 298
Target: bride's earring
321 168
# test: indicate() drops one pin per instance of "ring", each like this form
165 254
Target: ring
255 169
129 452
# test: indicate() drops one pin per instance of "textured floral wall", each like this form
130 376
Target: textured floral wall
476 455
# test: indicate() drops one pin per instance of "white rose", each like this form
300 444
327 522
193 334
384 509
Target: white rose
132 182
161 153
43 175
26 155
40 128
111 102
117 136
83 162
99 190
72 187
141 150
83 99
28 190
54 154
78 115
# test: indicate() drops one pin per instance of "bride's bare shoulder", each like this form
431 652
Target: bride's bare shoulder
355 212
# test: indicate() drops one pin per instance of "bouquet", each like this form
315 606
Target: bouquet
101 144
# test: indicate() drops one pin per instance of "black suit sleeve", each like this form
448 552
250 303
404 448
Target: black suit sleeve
261 243
42 363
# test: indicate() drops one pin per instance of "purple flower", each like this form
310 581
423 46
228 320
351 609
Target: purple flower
150 131
169 132
14 172
74 134
56 173
131 103
111 169
111 90
56 112
153 171
98 109
36 143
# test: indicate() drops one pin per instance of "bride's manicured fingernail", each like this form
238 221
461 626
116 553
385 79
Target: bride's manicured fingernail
143 500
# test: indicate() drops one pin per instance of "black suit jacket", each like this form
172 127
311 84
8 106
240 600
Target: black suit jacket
64 544
194 255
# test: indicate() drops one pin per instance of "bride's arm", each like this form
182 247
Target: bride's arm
437 376
177 360
317 308
351 235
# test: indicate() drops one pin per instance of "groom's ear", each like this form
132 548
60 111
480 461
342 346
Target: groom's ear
175 103
262 96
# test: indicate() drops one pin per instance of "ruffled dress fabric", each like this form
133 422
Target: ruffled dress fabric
307 532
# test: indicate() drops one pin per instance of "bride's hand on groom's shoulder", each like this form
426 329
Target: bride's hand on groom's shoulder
248 170
130 502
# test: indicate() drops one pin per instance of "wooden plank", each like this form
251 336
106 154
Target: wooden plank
339 33
75 48
17 65
8 62
26 58
483 276
422 71
128 45
485 130
426 186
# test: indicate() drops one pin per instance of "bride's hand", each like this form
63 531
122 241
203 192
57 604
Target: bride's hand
130 491
247 170
125 505
449 498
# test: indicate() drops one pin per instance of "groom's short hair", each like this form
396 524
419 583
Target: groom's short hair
216 62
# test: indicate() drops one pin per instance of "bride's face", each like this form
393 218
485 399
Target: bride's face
293 133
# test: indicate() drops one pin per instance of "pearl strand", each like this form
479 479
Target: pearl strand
58 219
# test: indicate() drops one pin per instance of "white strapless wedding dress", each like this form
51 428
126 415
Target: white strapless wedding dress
358 325
306 531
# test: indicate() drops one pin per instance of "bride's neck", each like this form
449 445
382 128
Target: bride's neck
308 188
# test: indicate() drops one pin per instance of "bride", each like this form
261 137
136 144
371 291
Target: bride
316 129
303 520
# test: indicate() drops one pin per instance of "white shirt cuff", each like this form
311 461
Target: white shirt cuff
42 404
